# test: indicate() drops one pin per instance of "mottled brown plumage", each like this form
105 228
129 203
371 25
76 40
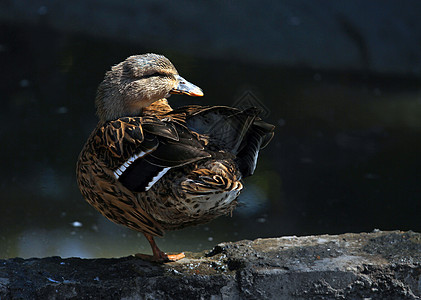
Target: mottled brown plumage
152 168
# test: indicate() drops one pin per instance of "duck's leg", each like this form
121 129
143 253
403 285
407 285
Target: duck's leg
158 255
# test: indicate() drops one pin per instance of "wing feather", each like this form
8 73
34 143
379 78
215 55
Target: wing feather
240 132
137 149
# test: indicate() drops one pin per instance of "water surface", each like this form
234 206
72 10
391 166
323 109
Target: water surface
345 156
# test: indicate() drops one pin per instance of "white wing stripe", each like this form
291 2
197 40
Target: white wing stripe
120 170
156 178
117 173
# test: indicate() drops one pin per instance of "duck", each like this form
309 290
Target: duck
153 168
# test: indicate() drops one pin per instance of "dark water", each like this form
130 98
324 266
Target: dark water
345 157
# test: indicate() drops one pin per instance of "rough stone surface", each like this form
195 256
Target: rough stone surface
378 265
377 35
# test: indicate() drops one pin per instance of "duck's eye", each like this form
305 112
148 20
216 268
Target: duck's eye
155 74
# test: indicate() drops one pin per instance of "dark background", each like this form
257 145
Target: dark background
340 80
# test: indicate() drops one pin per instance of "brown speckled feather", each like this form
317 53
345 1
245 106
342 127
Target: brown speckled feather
103 191
112 144
184 196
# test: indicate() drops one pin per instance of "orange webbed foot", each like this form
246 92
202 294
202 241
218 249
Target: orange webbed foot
158 255
175 257
161 258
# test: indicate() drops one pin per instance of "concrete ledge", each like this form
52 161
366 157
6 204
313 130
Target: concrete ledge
378 265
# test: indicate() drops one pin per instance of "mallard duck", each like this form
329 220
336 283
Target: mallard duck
153 168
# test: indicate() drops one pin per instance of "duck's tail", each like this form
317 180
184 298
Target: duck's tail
239 132
257 136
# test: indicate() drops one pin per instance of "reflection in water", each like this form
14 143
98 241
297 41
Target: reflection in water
345 156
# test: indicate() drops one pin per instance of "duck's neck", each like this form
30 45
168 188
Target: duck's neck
157 108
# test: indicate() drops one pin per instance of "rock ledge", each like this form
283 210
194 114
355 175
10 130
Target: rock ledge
378 265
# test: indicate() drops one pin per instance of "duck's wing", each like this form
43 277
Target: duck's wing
240 132
140 150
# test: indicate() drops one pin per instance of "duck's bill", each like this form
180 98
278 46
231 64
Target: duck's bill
186 88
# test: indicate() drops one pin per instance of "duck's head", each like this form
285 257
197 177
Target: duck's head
136 83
